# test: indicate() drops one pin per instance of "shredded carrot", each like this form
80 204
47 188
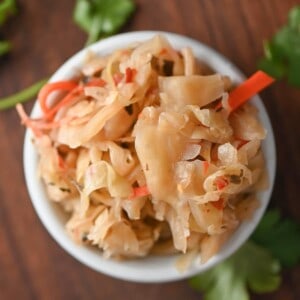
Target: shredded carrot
61 162
241 143
250 87
163 51
139 192
221 182
218 204
129 74
118 78
49 112
71 86
205 167
27 121
42 125
254 84
96 82
65 101
48 88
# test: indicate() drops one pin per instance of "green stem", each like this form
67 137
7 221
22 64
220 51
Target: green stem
22 96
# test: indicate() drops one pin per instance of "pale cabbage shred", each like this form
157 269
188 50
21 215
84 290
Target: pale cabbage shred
169 139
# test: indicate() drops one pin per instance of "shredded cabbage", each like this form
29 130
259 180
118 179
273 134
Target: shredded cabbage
144 163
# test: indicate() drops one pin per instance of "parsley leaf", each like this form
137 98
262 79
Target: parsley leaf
282 52
101 18
251 266
280 237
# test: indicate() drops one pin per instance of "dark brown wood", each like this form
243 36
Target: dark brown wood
32 265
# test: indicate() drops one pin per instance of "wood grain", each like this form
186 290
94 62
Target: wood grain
32 265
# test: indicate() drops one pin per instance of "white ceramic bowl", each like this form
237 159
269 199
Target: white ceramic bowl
149 269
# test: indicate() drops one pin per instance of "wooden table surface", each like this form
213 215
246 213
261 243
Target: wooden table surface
32 265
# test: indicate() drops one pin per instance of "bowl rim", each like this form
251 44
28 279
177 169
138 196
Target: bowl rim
133 270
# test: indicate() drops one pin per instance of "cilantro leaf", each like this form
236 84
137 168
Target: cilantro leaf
256 265
101 18
7 8
280 237
282 52
251 267
4 47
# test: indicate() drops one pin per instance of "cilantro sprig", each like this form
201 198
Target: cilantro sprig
252 266
101 18
280 236
256 265
282 51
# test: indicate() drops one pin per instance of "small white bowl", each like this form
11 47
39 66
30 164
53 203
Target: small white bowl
152 268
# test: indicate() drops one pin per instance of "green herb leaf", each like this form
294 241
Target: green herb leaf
101 18
4 47
280 237
22 96
251 267
7 8
282 52
256 265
